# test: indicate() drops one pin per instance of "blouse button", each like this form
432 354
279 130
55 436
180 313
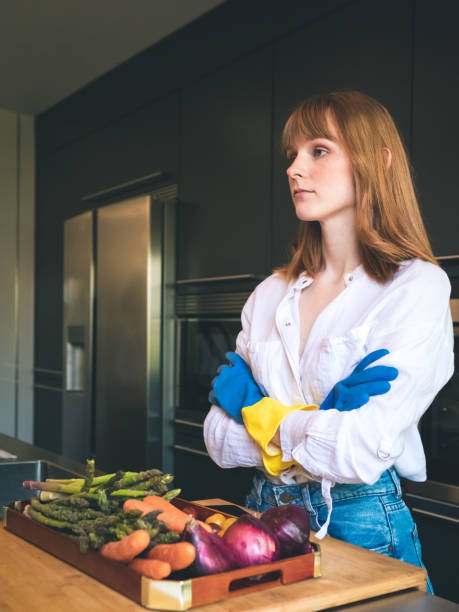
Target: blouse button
350 278
287 323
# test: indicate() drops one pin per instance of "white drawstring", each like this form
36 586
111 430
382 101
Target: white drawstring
326 486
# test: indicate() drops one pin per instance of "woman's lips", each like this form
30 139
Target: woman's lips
300 191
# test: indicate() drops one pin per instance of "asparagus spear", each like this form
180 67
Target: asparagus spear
131 478
49 522
157 483
35 485
171 494
64 514
70 500
89 476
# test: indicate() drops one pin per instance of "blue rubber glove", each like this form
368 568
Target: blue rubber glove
355 390
234 387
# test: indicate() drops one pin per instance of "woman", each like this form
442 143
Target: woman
362 277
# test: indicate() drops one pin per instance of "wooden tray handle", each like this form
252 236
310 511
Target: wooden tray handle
246 580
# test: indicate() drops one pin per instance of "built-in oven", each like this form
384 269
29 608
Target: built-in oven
208 312
435 503
440 424
208 320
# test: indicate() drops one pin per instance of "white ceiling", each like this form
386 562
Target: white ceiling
51 48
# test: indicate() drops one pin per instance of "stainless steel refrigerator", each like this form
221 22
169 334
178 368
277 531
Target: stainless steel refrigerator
118 333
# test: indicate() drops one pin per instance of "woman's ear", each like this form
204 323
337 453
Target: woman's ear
387 154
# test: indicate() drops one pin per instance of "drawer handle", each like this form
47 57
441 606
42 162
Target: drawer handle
435 515
187 449
190 423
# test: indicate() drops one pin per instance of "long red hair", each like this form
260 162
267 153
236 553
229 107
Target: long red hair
388 220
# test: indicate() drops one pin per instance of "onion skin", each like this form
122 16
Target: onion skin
290 523
212 554
252 541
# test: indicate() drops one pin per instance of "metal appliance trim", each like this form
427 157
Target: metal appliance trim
211 279
443 517
50 388
211 303
187 449
190 423
133 183
434 490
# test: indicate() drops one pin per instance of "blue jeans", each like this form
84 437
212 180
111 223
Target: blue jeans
372 516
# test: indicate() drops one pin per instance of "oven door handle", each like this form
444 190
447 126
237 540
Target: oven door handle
194 451
450 519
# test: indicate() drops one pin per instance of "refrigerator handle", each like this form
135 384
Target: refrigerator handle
75 358
178 352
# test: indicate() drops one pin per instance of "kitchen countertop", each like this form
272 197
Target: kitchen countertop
32 578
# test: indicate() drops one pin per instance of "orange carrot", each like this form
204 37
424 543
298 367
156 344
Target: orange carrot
160 503
127 548
151 568
136 504
179 554
174 518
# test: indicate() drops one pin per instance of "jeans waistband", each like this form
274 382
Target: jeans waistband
311 493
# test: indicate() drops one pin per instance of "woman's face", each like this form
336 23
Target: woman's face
321 179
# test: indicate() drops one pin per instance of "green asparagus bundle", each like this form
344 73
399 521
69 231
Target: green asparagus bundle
118 485
90 509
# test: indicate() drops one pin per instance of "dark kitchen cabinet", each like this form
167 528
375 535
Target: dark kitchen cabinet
436 121
225 182
364 46
200 478
438 527
196 473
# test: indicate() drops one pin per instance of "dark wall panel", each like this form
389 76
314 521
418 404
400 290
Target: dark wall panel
435 120
225 182
232 30
137 145
364 46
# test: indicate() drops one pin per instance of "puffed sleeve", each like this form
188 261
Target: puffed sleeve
227 441
357 446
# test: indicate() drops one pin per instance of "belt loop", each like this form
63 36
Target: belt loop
307 498
396 480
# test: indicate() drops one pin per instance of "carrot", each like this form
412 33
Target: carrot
174 518
136 504
179 554
151 568
127 548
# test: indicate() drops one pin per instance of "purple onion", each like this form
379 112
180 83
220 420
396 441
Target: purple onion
212 554
252 541
290 523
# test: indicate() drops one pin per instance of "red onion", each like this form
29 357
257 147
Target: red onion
252 541
212 554
290 523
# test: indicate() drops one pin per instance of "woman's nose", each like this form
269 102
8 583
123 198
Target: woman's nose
295 170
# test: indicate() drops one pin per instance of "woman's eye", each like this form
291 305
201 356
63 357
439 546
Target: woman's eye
291 157
318 152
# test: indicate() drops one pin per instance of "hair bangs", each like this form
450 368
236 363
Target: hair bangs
310 120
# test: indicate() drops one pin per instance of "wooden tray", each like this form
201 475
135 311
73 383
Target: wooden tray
170 594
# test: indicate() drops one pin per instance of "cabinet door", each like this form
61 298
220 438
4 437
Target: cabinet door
225 183
438 527
364 46
200 478
436 121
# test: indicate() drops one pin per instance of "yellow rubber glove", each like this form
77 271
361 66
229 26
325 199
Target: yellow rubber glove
262 421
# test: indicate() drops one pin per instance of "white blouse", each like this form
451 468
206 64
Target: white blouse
409 316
